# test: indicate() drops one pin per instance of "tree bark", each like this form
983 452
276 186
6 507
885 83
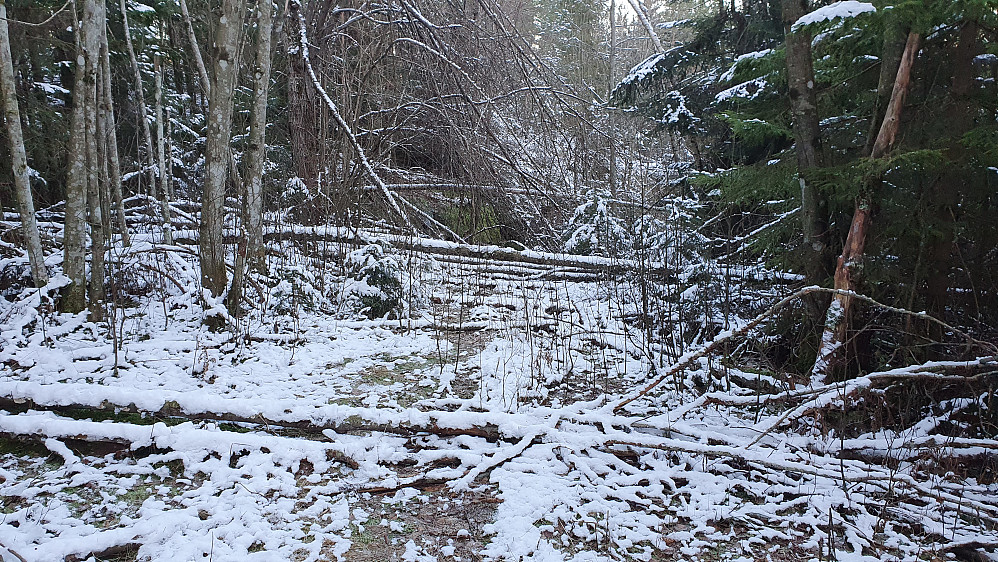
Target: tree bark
831 357
807 134
258 137
213 274
890 59
91 30
19 159
74 298
252 251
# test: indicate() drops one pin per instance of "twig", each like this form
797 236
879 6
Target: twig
40 24
13 552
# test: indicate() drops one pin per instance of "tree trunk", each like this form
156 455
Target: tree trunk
161 154
114 164
307 129
258 138
213 274
807 134
832 351
19 160
890 59
74 298
196 51
252 251
91 30
140 101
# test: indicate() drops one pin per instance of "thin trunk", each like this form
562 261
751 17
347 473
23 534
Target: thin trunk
161 154
140 101
217 156
74 298
114 164
91 30
890 59
169 158
258 138
19 160
610 83
196 51
252 249
832 351
646 22
807 135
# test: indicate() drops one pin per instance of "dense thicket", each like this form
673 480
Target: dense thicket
737 92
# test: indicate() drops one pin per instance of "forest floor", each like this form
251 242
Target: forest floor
489 424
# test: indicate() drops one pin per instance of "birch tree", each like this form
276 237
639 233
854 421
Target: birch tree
213 274
161 153
110 139
19 160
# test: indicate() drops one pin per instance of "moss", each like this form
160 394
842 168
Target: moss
22 447
479 223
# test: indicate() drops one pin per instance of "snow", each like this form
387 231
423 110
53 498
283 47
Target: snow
643 69
341 428
139 7
837 10
730 73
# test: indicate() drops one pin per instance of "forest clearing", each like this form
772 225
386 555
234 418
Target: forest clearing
553 280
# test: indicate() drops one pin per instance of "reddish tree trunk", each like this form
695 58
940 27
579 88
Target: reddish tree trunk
848 270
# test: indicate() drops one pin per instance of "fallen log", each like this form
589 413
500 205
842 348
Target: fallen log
172 410
444 248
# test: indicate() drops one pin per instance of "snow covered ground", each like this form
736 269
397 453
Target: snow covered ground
481 427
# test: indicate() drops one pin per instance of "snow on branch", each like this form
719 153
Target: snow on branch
843 10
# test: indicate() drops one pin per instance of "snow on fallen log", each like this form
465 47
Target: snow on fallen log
443 247
285 413
182 438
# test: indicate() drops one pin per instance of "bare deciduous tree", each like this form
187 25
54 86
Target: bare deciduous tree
217 156
19 160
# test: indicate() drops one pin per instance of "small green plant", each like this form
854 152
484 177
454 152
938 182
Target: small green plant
375 284
294 291
594 230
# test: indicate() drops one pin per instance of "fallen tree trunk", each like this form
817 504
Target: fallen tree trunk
173 411
443 248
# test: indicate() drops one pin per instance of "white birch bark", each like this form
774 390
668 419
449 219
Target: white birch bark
646 22
18 158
